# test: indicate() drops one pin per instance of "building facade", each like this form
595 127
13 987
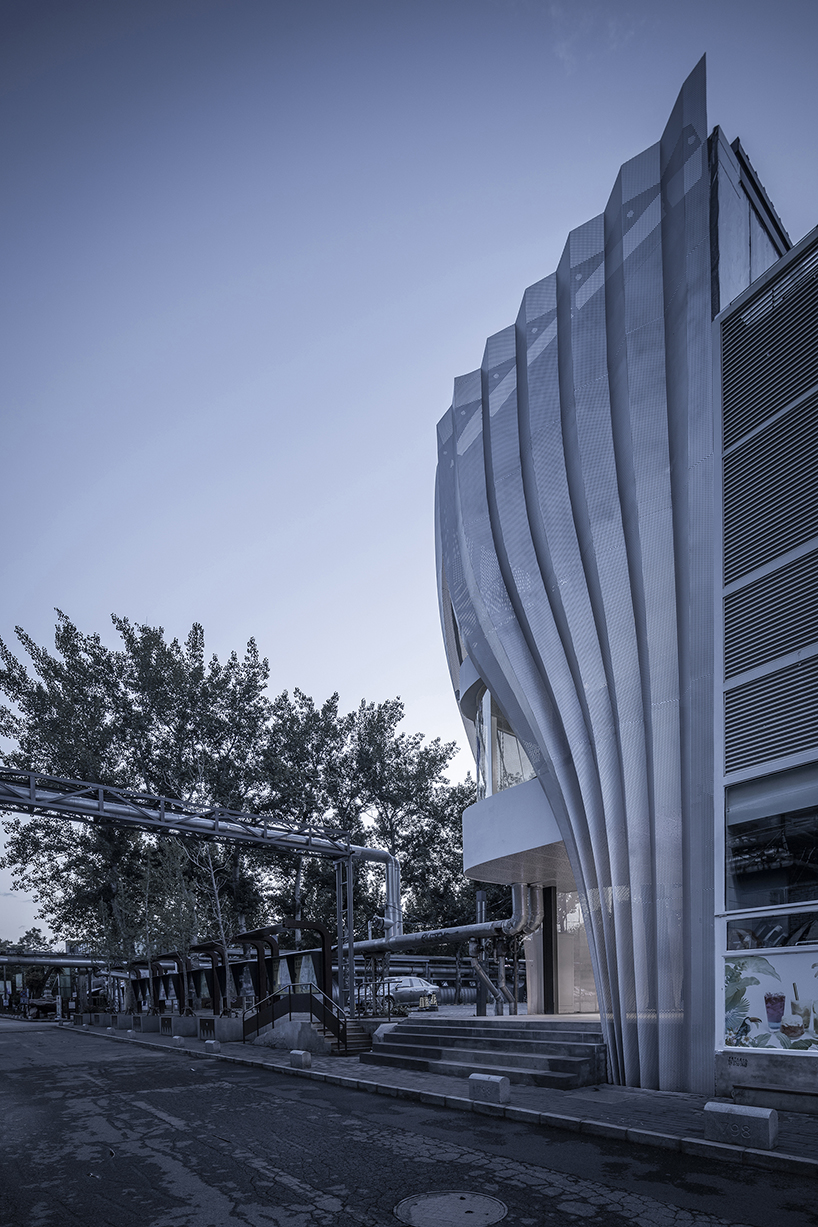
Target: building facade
580 541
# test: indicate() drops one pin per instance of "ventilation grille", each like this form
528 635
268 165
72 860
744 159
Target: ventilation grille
771 616
770 349
770 503
772 716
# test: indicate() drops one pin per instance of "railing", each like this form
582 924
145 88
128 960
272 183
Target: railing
297 999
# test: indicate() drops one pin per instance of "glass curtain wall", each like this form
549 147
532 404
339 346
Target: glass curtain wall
771 893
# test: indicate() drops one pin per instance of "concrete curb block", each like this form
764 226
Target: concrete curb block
698 1147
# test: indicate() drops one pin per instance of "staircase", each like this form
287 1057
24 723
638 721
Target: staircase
546 1052
359 1041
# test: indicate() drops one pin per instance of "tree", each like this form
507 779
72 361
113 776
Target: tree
397 775
150 715
33 941
160 717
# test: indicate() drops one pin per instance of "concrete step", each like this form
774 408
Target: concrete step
358 1039
455 1069
502 1026
517 1021
548 1035
449 1039
582 1066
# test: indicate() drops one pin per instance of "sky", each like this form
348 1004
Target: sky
246 247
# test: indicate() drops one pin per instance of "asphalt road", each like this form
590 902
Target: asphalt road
97 1132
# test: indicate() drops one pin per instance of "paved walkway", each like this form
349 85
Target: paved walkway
665 1119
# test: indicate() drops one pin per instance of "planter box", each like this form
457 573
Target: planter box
146 1022
206 1027
229 1030
183 1025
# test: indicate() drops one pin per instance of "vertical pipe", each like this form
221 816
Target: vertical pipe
350 942
551 1003
339 916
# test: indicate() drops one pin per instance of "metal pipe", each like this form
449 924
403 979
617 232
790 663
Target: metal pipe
33 792
350 941
519 910
520 921
481 974
57 960
339 916
501 978
536 908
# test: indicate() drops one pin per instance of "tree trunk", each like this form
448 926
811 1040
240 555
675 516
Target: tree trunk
217 907
297 898
241 919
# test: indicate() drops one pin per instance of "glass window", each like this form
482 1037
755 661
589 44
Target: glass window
772 840
759 932
480 729
512 764
576 987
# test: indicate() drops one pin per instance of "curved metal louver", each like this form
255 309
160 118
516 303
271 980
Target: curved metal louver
575 533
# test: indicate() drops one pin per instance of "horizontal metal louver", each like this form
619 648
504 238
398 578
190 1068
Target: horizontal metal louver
770 349
775 614
772 716
770 503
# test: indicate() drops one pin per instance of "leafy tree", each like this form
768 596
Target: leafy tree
151 715
161 717
33 941
398 777
309 780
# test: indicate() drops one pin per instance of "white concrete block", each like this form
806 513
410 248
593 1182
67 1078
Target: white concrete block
299 1059
212 1046
740 1125
178 1041
489 1088
110 1030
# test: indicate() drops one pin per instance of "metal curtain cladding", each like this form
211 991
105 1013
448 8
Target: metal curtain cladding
575 559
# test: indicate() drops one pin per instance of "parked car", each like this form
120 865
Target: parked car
407 990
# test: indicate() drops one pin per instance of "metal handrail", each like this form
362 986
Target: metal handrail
319 1006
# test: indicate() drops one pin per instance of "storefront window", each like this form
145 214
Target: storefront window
771 999
576 988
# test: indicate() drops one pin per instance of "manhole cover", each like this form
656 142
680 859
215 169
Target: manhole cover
449 1209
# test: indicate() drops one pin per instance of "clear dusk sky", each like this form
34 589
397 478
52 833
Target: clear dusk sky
247 245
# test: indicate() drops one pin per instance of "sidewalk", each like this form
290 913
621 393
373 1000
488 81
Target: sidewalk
665 1119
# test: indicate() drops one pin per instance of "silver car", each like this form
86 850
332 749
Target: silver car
407 990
